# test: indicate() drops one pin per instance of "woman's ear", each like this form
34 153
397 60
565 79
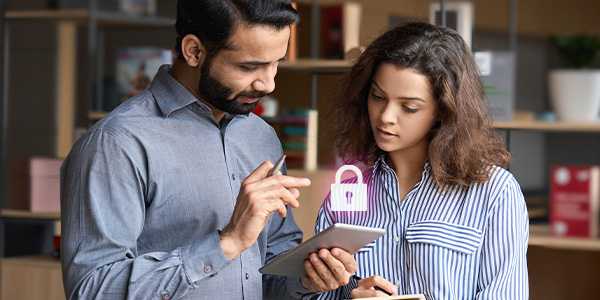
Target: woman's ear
192 50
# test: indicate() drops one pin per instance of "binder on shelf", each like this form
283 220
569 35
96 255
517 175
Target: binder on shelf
459 16
341 29
575 201
299 138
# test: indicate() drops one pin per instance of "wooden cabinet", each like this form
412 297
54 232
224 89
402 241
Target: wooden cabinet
31 277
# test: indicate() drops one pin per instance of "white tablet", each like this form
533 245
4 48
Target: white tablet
344 236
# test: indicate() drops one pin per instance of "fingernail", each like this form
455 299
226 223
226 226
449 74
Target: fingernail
335 252
324 255
308 265
395 290
314 259
305 181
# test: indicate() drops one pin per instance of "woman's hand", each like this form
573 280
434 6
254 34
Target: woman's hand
366 287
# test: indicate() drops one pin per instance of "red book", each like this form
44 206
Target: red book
574 201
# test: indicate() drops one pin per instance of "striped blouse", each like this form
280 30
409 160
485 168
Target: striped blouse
461 243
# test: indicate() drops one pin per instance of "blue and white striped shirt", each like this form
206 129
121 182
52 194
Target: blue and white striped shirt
462 243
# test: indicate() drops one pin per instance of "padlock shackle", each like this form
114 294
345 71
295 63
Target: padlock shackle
342 169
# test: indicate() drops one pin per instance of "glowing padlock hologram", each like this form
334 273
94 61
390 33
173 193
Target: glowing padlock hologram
348 196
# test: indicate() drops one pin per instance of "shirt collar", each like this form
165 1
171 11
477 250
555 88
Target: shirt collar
380 165
170 95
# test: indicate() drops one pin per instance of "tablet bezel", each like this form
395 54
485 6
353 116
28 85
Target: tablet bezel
351 238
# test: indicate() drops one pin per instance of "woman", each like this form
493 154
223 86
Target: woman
413 109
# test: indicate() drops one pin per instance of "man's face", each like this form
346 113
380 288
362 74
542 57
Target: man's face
235 78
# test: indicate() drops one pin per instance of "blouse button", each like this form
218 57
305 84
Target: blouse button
397 239
207 269
165 297
247 276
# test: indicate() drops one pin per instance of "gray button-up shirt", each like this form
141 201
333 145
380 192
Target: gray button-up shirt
145 191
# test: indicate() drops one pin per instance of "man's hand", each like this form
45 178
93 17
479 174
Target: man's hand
259 196
366 287
328 270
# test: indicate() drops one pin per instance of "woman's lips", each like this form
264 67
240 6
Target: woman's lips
385 134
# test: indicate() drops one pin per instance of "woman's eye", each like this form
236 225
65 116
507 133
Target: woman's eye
410 110
374 96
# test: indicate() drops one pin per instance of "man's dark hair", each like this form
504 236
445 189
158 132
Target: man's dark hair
214 21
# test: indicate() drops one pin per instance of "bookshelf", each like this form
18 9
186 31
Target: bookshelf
68 21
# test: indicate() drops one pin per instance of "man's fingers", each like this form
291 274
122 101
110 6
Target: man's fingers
260 172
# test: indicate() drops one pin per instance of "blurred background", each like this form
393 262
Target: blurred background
66 63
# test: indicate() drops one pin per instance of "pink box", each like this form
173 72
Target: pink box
35 184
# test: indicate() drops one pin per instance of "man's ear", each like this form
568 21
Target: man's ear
192 49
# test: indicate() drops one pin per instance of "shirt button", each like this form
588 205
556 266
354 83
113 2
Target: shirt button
165 297
233 176
397 239
247 276
207 269
398 282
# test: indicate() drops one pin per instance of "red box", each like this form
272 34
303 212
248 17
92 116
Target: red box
35 184
574 201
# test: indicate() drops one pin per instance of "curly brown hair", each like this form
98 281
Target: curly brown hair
462 146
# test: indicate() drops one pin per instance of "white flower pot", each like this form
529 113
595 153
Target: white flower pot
575 94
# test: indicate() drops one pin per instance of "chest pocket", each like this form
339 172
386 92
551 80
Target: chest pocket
451 236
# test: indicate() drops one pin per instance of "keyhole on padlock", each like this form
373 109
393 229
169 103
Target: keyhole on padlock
349 197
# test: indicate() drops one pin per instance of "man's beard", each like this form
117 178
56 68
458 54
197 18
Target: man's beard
217 94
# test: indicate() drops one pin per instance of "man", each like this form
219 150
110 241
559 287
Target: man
168 197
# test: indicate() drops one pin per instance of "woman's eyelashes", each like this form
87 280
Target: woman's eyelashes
409 110
376 97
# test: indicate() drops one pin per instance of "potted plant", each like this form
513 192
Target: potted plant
575 91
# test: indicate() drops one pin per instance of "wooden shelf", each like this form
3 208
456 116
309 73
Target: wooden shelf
548 126
316 65
105 18
33 260
539 235
23 214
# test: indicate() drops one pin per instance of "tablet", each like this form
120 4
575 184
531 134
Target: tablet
344 236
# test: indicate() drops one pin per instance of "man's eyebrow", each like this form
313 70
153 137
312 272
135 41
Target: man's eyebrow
259 63
403 98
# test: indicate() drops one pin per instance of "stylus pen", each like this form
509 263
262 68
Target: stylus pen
375 287
277 166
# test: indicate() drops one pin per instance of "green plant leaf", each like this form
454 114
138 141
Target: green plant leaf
579 50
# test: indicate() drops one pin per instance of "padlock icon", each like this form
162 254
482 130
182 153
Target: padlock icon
348 196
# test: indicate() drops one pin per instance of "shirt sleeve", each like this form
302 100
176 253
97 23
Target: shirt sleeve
503 273
103 192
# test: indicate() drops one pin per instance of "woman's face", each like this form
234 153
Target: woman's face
401 109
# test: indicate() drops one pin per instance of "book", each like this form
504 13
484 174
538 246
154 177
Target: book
459 16
35 183
498 72
340 25
136 67
574 201
299 138
292 51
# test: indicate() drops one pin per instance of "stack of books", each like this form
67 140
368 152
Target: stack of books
299 138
